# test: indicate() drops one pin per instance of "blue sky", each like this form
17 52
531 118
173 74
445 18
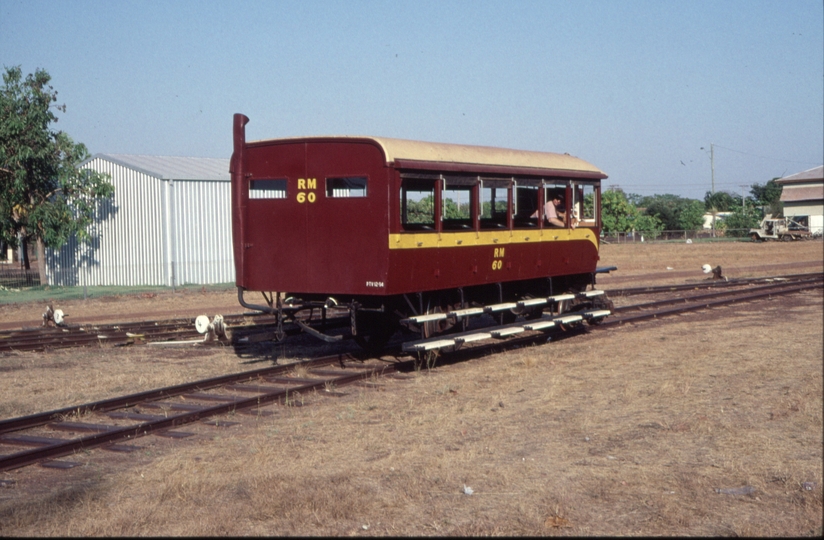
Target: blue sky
635 87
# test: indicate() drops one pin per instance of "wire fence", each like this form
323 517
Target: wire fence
703 235
13 276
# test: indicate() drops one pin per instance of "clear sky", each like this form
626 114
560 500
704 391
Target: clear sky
635 87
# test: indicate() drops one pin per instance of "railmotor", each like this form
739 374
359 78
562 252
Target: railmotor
412 234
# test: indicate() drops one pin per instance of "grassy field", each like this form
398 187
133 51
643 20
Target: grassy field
709 424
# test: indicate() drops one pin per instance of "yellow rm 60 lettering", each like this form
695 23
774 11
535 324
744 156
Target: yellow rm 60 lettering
305 184
497 258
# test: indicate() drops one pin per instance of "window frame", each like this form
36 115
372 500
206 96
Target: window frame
330 190
263 191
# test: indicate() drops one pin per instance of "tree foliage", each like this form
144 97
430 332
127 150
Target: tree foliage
676 213
691 217
768 196
648 225
44 196
738 224
617 213
721 201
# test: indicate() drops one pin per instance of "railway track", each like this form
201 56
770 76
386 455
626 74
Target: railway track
258 325
756 289
137 333
116 422
708 284
112 421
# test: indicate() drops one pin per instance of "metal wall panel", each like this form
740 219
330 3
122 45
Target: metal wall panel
153 232
809 208
203 232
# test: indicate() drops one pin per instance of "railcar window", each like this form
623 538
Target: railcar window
551 190
350 186
494 204
584 204
456 204
267 189
526 203
418 204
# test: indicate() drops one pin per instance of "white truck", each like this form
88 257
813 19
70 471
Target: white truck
780 229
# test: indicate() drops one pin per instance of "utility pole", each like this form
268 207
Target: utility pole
712 165
743 201
712 172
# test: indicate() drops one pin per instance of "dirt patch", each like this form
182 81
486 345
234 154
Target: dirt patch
706 425
674 263
124 308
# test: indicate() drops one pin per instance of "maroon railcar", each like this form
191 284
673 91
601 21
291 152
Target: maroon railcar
393 228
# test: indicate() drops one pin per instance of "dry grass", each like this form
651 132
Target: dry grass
621 432
681 262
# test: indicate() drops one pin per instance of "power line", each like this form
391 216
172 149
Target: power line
765 157
685 184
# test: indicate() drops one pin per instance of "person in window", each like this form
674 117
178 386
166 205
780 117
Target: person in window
553 211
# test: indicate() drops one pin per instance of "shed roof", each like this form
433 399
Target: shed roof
811 175
802 193
172 167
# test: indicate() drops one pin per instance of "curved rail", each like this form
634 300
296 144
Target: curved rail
266 385
250 390
707 284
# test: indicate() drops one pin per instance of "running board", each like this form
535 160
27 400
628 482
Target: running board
501 332
459 314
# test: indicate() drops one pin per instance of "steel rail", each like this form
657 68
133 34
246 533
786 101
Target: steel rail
699 297
105 434
698 305
109 434
63 337
38 419
708 284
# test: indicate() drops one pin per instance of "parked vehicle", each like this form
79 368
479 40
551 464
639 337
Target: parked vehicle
780 229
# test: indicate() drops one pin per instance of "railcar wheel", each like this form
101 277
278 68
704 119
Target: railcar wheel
433 328
375 329
602 302
508 317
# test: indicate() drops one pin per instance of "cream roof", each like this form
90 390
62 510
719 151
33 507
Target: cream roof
403 149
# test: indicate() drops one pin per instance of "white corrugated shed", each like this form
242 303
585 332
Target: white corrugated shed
169 223
803 197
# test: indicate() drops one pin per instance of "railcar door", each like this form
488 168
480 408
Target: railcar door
347 218
275 235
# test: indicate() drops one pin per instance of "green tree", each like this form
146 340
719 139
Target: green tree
422 211
738 224
44 196
636 199
451 210
721 201
648 225
669 209
617 213
691 217
768 196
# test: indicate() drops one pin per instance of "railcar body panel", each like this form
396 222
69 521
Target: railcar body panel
476 261
326 216
305 240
